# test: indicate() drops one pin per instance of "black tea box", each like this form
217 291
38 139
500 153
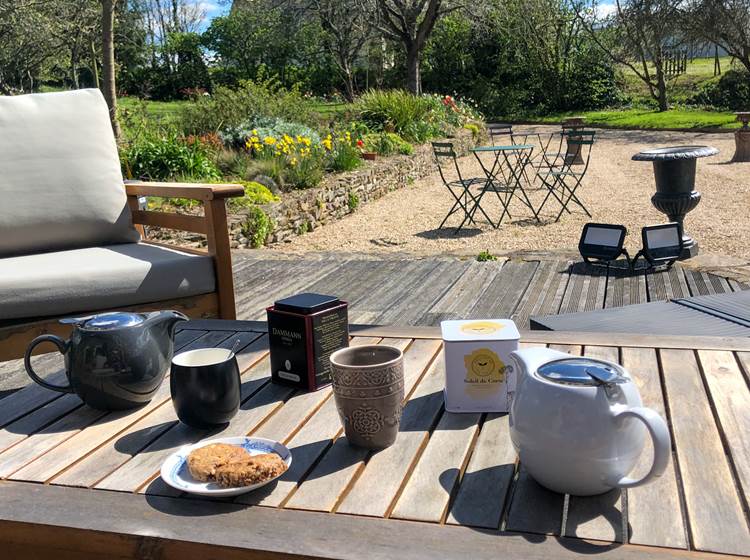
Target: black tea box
304 330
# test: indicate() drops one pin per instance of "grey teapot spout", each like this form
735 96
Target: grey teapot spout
167 320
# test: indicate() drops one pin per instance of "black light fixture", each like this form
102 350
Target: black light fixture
662 244
602 243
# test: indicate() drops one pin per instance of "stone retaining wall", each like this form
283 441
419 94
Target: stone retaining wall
302 211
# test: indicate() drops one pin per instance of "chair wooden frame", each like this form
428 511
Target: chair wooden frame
14 338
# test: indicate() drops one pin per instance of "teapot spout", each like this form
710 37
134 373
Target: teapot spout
166 319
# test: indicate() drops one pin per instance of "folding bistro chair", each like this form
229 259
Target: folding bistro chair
460 188
500 132
562 182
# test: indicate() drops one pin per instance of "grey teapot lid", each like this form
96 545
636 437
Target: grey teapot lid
111 321
582 371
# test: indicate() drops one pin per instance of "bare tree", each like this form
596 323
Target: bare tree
410 22
109 86
639 35
725 23
348 31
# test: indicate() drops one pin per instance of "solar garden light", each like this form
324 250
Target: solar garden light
662 245
674 171
602 243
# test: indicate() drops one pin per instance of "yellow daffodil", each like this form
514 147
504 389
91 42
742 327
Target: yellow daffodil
270 140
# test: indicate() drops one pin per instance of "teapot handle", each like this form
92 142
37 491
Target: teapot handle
659 431
62 346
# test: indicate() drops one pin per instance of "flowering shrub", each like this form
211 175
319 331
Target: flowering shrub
239 135
296 160
344 151
255 193
168 157
386 144
416 118
301 159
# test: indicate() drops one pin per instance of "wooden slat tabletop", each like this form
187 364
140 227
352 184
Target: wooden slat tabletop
451 471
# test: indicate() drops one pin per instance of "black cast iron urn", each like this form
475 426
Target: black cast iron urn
674 171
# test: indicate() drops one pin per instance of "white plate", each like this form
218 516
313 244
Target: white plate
175 472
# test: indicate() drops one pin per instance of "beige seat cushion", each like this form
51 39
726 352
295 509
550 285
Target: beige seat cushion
82 280
60 181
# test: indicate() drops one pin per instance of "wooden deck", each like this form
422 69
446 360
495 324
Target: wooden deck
424 291
409 291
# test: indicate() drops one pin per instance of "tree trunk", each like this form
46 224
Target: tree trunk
413 77
74 67
348 84
109 87
94 65
661 89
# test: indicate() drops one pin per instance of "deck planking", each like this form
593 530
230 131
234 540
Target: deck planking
402 290
425 291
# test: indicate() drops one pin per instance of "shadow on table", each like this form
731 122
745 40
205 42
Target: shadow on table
186 505
529 510
449 232
133 442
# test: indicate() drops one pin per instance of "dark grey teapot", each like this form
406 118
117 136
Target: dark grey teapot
113 361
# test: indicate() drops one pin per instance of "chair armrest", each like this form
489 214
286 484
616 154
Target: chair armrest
213 224
194 191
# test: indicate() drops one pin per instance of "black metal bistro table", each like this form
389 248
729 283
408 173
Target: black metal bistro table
506 176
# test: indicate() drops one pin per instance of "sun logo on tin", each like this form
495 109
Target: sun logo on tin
484 366
481 327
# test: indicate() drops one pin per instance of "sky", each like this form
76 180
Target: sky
214 8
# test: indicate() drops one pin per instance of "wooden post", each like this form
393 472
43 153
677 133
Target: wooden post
218 247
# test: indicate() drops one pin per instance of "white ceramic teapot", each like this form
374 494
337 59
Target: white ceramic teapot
578 423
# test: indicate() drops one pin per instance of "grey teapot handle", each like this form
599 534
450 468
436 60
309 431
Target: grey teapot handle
62 346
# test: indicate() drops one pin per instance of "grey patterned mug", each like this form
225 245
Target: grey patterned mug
368 385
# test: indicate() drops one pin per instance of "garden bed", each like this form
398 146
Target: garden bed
338 195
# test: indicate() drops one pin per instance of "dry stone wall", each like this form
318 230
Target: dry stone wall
338 195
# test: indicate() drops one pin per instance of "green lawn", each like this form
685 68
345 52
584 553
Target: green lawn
648 118
166 111
699 72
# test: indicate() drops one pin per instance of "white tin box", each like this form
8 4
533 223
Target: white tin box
479 374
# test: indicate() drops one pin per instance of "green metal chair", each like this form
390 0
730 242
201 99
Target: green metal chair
562 182
460 188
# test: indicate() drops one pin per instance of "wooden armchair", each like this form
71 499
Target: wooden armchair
69 226
16 335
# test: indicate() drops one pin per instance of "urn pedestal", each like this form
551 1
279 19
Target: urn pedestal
573 153
674 172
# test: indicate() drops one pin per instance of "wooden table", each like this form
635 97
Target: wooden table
83 483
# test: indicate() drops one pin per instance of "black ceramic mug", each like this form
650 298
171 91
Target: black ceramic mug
205 386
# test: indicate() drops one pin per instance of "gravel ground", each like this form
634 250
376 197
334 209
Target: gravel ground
615 190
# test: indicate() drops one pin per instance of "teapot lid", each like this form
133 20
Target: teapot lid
111 321
582 371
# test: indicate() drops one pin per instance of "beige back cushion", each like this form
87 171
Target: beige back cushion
60 181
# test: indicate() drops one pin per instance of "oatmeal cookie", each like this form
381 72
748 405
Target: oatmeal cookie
252 470
203 462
